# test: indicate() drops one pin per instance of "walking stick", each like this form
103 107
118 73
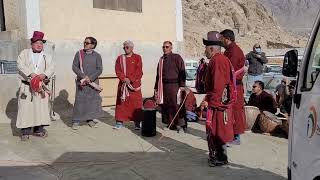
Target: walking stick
175 116
53 95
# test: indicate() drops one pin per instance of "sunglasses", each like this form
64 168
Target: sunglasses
86 43
126 47
165 47
254 86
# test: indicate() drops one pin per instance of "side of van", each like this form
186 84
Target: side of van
304 132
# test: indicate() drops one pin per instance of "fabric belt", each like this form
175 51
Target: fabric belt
170 81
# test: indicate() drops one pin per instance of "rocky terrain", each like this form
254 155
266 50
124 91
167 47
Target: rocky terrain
297 16
251 21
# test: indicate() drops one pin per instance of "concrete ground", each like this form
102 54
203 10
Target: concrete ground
104 153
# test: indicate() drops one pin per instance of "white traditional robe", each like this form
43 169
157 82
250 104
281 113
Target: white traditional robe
32 109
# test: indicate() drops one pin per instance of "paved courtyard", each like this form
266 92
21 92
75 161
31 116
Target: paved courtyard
104 153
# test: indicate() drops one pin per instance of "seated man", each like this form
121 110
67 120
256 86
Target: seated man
202 111
287 103
190 106
261 99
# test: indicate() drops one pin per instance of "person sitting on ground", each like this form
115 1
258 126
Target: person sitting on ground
285 107
281 92
261 99
190 105
202 111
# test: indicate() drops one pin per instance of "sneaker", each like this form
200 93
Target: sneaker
118 125
25 138
214 163
42 134
137 127
183 128
236 140
92 124
75 126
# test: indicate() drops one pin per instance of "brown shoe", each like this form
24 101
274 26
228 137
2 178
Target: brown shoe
25 138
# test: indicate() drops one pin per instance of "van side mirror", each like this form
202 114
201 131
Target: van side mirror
290 64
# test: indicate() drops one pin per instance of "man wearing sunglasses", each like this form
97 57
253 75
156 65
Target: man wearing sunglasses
87 65
128 69
171 76
261 99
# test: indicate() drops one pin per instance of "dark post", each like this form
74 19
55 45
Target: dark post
2 20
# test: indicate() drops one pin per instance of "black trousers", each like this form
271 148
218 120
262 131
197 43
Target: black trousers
28 131
217 150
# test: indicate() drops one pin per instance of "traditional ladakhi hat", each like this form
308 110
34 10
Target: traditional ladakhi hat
213 39
38 36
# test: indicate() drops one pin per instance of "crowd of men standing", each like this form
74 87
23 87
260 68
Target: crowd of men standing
225 119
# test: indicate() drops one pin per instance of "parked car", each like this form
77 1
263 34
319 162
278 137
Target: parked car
191 73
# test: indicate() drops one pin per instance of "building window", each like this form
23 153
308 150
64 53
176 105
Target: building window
120 5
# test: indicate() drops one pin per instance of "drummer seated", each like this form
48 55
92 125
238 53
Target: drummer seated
261 99
190 106
202 111
285 107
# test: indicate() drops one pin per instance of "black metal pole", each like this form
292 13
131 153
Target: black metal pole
2 19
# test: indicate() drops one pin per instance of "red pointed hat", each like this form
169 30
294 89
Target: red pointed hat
38 36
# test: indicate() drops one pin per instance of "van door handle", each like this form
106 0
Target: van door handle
297 100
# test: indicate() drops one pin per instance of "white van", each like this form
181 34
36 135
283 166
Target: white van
304 133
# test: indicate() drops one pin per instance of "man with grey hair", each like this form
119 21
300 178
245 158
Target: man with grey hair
128 69
220 96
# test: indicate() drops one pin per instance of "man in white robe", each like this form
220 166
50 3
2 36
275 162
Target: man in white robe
33 108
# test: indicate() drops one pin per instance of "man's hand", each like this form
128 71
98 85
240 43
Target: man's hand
182 89
204 104
42 76
127 81
32 75
87 79
156 94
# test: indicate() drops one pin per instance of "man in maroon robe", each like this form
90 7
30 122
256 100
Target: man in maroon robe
237 58
220 88
128 68
201 71
171 76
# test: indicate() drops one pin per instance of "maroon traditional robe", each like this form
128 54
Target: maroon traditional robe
220 120
131 108
173 77
237 58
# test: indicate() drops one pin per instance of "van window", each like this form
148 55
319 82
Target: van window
314 64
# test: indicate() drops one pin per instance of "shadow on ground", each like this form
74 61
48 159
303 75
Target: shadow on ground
176 161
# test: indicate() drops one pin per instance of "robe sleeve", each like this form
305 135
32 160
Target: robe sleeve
118 70
24 70
157 78
263 59
182 72
50 67
269 101
249 57
208 80
138 73
99 69
76 66
218 81
251 103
